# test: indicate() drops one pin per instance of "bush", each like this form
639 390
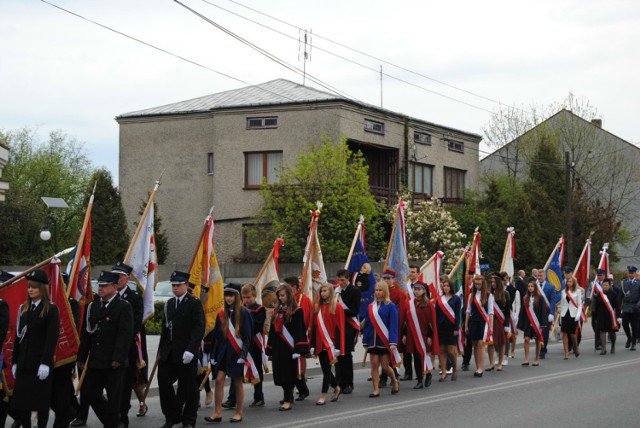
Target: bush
154 325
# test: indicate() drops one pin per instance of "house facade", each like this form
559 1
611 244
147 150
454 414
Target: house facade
216 150
4 158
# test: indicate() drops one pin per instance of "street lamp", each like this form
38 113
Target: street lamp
45 234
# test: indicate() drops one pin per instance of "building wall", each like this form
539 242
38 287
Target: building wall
4 158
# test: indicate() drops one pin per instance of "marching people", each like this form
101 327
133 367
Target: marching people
630 288
594 288
399 298
533 319
328 339
606 310
303 302
349 299
551 298
287 343
571 311
501 320
233 333
479 321
418 334
380 337
414 272
104 349
34 346
257 349
182 332
448 319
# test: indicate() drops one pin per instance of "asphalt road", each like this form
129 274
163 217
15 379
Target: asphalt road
589 391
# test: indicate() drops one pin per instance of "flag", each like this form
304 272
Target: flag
604 259
14 294
142 257
269 272
205 274
313 272
474 264
509 253
397 259
553 268
79 269
68 339
583 267
357 258
430 274
459 273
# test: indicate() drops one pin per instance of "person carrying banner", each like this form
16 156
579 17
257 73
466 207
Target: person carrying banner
479 320
606 311
257 349
448 319
414 272
551 299
501 320
418 334
105 341
514 295
182 332
232 337
328 339
380 337
37 333
630 288
571 306
349 299
532 320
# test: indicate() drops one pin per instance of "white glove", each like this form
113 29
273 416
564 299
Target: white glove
336 352
393 347
551 318
515 320
312 351
295 356
619 321
214 363
43 372
577 318
507 329
14 368
240 361
205 360
187 357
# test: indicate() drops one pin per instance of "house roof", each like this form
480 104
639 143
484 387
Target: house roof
274 92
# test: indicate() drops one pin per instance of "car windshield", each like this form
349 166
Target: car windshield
163 288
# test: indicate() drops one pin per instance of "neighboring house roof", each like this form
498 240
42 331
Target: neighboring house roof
275 92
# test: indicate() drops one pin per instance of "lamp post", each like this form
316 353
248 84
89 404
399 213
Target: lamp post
45 234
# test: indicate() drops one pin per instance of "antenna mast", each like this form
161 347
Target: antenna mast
304 41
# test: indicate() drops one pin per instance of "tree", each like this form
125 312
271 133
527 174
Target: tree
55 167
110 238
328 172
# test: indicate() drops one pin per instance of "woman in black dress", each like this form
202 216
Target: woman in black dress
570 311
606 312
479 321
501 320
34 347
532 321
448 316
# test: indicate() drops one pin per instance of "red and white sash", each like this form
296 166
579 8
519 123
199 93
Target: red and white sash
351 320
487 328
541 294
533 319
281 329
418 339
140 363
260 342
497 312
446 308
383 332
326 339
583 316
612 312
250 369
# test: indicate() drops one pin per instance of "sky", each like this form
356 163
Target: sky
451 63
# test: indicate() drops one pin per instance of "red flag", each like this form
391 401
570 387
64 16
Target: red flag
68 340
14 294
80 275
583 267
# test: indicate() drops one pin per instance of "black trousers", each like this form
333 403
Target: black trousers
406 362
327 374
111 380
287 389
630 325
468 352
185 374
61 395
128 384
344 370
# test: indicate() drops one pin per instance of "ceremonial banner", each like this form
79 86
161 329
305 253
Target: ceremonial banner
553 268
14 294
269 272
358 257
205 275
397 259
604 260
68 339
509 253
458 274
313 271
430 274
583 268
474 265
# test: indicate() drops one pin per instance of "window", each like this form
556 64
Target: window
421 178
262 122
210 163
456 146
259 166
373 126
454 183
421 138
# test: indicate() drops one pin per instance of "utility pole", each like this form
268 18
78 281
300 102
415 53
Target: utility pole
568 209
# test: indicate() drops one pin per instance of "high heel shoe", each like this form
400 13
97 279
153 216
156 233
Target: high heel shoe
396 388
142 410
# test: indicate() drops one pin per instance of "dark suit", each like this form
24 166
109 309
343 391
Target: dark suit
4 327
182 330
137 306
350 296
107 337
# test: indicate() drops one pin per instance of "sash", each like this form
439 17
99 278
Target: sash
260 343
612 312
281 329
416 332
250 370
446 308
513 322
487 329
326 338
351 320
462 339
497 312
533 319
583 317
541 293
383 332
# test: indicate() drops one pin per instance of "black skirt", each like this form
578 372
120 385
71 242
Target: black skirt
378 350
476 330
569 324
31 393
445 335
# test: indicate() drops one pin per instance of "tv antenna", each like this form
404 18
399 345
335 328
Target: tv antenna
305 45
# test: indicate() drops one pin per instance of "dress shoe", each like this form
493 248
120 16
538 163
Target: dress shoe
406 377
257 403
427 380
396 388
285 409
187 426
302 396
374 395
633 347
348 390
382 384
419 385
77 422
336 394
215 420
465 367
142 410
167 425
477 374
454 376
628 344
235 420
543 356
228 405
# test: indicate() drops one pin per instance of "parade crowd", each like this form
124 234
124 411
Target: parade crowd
405 325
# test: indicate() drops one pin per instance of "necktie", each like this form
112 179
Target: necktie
33 307
104 304
177 303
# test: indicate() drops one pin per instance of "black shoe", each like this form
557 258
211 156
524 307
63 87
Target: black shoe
633 347
427 381
207 419
187 426
382 384
477 374
465 367
598 347
257 403
77 422
168 425
348 389
419 385
542 356
628 344
228 405
407 377
302 396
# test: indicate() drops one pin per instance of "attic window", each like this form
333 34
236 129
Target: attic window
456 146
262 122
373 126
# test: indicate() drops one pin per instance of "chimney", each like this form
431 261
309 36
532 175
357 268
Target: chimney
597 123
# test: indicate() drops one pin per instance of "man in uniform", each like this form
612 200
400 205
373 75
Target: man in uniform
553 299
182 332
106 338
135 300
630 288
349 298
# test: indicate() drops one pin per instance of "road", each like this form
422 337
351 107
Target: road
592 390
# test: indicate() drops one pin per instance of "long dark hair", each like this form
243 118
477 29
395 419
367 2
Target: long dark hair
535 293
498 292
291 301
237 308
45 298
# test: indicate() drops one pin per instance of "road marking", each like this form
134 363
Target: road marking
337 417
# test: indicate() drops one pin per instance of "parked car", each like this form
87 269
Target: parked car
163 291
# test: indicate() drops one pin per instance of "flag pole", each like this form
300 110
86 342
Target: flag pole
143 217
32 268
264 266
457 265
551 255
355 239
87 216
204 229
506 248
393 231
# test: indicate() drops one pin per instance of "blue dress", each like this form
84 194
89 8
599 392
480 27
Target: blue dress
389 314
224 353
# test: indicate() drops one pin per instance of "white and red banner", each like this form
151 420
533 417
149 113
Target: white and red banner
430 275
269 272
509 253
313 271
583 268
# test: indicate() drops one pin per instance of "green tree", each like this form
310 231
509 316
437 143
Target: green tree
328 172
55 167
110 238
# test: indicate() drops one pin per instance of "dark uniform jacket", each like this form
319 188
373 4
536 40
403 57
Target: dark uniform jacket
351 298
107 334
182 329
38 344
137 307
631 296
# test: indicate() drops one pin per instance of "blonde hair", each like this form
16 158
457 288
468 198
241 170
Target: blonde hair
385 290
331 300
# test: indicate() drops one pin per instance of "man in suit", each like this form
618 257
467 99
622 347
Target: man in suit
135 300
182 332
106 338
349 298
630 288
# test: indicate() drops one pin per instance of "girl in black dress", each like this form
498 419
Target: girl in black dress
533 309
448 316
570 311
607 315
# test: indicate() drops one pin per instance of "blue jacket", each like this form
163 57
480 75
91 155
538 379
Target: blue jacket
389 314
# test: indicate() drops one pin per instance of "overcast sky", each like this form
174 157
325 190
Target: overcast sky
58 71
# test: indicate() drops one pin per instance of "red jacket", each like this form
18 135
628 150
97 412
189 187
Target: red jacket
334 324
425 320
